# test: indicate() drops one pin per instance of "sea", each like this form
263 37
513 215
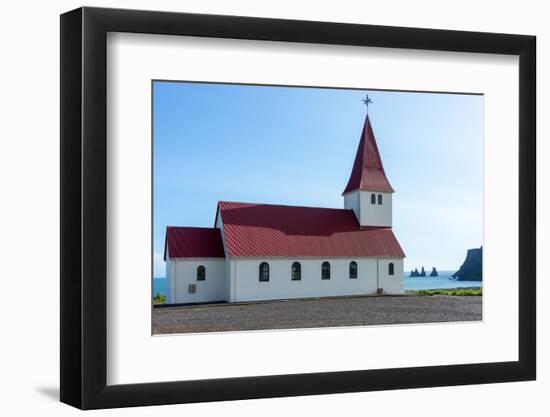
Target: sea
442 281
419 283
159 286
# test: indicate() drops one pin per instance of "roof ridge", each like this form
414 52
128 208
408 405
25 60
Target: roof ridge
284 205
189 227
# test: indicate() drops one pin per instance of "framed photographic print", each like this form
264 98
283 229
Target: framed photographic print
255 208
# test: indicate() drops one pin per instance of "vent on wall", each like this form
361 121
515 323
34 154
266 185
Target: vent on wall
192 288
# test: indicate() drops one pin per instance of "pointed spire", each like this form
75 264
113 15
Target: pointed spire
368 172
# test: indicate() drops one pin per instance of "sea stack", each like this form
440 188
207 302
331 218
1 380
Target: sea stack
434 272
423 272
414 273
472 268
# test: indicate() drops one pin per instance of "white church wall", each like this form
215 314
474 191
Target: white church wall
228 287
351 202
170 276
228 267
392 284
375 214
184 272
238 279
280 285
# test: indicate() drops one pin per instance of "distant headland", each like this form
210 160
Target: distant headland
472 267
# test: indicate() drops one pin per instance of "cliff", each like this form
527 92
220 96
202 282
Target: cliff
471 269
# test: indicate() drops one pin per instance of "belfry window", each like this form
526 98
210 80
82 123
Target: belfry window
379 198
264 272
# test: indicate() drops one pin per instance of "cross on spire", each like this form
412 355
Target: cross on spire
367 100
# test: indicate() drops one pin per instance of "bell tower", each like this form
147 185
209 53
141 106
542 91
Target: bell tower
368 192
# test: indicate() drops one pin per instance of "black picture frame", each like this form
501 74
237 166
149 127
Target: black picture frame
84 207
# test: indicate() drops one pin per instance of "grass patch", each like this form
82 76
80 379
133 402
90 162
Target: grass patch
159 298
452 291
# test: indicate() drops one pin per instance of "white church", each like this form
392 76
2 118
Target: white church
264 251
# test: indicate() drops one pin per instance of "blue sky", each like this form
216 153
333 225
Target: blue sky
296 146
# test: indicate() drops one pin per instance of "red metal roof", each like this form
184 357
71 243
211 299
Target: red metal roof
368 172
193 242
266 230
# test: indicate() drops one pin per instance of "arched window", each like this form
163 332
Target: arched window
379 198
390 268
264 272
373 198
201 273
296 271
325 270
353 270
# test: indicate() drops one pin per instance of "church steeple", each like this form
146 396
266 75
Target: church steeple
369 193
368 171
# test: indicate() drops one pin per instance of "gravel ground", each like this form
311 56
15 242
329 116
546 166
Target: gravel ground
321 312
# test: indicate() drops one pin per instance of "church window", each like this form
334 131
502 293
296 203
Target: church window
379 198
353 270
325 270
264 272
296 271
373 198
201 273
390 269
